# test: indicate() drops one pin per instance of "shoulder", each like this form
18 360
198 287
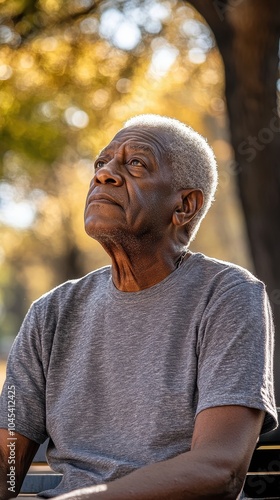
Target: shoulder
226 274
234 301
75 291
219 282
65 304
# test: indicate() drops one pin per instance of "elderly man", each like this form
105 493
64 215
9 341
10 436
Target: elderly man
152 377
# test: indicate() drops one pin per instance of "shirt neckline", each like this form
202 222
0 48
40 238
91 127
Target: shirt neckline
169 281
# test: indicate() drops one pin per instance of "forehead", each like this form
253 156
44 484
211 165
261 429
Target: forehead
150 140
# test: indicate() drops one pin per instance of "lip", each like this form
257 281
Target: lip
101 198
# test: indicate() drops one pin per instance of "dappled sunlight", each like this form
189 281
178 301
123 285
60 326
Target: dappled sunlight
69 78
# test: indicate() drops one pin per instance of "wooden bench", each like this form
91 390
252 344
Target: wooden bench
263 477
40 477
262 480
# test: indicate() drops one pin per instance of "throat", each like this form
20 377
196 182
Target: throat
132 275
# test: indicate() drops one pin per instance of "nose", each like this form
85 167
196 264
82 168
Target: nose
108 175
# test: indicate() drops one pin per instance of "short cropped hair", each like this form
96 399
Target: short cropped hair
191 159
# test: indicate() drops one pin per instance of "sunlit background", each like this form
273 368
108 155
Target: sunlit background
71 73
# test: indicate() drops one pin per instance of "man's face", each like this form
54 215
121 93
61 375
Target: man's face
130 193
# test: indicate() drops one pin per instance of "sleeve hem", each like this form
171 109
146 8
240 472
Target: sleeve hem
271 418
27 432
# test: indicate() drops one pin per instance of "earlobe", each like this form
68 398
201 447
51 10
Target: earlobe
191 201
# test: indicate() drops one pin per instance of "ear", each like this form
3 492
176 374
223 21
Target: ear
190 202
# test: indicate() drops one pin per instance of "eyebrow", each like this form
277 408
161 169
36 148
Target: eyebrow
134 147
142 147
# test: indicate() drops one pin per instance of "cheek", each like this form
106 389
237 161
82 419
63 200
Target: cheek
145 196
149 210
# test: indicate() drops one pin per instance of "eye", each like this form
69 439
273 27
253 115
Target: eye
99 164
136 163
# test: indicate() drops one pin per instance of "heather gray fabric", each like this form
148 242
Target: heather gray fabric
116 378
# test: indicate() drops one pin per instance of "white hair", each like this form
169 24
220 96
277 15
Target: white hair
191 159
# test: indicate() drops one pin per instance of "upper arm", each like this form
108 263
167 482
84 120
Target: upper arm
229 435
16 454
235 350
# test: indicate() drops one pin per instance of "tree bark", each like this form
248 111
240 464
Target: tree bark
247 34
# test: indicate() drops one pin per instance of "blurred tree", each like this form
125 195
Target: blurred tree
71 73
247 33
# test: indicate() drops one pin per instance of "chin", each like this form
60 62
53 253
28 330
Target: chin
103 231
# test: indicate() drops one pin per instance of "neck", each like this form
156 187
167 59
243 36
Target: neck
139 268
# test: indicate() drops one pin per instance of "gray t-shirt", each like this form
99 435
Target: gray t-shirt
116 379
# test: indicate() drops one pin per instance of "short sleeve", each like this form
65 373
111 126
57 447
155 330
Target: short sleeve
25 375
235 360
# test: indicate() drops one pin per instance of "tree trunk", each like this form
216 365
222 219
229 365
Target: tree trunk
247 34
